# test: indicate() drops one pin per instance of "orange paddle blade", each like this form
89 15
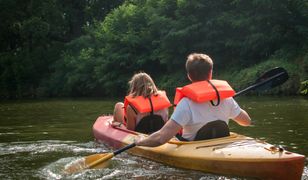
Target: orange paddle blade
98 160
92 161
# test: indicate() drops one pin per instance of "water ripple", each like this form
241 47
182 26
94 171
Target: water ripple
35 147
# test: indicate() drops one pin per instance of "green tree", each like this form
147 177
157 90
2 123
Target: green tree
33 35
93 47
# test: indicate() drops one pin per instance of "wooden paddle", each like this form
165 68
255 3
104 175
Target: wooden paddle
94 161
269 79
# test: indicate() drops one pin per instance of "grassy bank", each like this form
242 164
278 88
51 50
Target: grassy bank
297 69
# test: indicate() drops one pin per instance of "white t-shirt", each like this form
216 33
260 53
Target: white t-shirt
192 115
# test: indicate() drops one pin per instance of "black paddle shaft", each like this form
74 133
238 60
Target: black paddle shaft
124 149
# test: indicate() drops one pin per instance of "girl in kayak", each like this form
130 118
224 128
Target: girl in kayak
143 100
196 106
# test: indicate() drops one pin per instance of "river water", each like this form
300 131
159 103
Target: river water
38 138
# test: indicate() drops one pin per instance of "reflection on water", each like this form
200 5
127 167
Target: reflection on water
39 138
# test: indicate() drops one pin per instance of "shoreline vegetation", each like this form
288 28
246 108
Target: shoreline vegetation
58 49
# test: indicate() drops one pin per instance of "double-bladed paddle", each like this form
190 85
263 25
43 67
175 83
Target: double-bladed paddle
269 79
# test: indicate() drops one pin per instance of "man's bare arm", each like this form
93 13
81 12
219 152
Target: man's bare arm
162 136
243 118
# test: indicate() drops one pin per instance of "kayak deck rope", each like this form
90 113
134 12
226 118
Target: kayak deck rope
275 149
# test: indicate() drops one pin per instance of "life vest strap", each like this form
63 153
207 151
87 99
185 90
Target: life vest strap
134 109
151 104
217 94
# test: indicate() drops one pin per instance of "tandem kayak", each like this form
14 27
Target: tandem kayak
236 154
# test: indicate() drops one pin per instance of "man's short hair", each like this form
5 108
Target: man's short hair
199 66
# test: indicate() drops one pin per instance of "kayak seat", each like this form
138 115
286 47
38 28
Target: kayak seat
150 124
214 129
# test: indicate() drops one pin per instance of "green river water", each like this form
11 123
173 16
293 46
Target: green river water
38 138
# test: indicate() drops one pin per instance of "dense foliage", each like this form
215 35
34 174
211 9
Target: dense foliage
91 48
33 35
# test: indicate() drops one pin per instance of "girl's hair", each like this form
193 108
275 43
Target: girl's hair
142 84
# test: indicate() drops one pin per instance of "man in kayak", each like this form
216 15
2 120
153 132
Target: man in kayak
196 108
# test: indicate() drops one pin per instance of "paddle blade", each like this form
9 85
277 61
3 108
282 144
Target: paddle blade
272 78
269 79
93 161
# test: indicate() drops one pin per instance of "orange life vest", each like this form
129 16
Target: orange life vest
203 91
142 105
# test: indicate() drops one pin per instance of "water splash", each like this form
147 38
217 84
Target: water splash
22 159
37 147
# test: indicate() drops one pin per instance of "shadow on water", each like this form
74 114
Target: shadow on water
39 138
